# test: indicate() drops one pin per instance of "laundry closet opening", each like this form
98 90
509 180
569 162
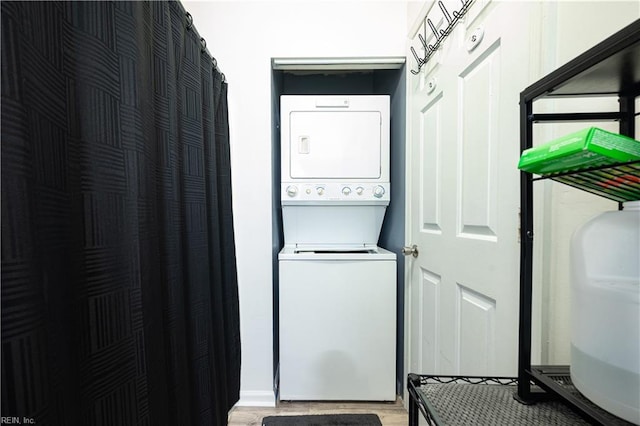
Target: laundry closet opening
342 76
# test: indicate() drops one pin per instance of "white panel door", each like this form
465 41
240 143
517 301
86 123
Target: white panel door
464 196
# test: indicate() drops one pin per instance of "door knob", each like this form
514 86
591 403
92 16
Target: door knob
413 250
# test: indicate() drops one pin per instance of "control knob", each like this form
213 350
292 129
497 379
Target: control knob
378 191
346 190
292 191
320 190
359 190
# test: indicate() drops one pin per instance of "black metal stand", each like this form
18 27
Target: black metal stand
610 68
464 400
413 381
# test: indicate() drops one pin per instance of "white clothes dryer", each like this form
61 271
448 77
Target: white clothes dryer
334 168
344 138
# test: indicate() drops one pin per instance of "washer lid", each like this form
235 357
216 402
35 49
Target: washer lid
370 253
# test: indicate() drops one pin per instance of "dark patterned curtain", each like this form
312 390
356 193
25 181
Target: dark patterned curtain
119 293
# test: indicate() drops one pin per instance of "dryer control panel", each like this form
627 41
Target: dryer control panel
352 192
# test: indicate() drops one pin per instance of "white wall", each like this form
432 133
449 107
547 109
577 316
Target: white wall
244 36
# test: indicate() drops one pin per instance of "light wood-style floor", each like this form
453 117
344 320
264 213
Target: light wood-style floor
390 413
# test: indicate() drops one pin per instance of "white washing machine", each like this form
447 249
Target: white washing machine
337 325
337 288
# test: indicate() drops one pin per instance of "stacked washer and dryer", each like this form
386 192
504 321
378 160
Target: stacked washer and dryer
337 288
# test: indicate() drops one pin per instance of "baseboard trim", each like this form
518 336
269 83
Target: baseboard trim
256 399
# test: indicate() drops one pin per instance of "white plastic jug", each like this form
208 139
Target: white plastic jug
605 311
